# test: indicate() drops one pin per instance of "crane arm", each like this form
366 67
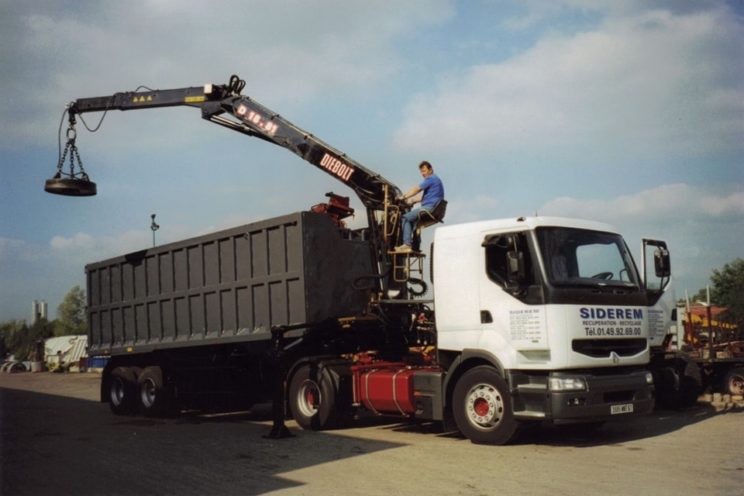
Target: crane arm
244 114
131 100
224 105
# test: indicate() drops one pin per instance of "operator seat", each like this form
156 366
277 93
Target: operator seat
429 218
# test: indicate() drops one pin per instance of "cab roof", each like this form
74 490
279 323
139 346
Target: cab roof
518 223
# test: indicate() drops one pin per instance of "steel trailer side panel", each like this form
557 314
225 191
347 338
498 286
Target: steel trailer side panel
228 286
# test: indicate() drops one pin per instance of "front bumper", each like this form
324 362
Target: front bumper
605 397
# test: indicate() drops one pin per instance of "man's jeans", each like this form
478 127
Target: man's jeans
410 220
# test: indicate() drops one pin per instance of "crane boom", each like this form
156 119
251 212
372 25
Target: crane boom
224 105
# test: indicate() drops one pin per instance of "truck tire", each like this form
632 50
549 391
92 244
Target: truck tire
734 382
678 384
155 396
482 407
691 384
312 398
122 390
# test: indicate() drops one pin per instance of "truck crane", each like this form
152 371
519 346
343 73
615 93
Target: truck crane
224 105
533 319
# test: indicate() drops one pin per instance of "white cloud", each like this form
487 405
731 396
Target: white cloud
716 206
472 208
536 11
285 50
82 248
651 81
673 201
77 241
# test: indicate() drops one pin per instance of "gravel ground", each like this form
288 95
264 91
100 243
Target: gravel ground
57 439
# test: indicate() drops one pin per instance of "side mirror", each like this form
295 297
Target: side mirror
658 251
661 262
515 265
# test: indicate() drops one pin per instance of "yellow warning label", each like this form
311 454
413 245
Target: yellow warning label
195 99
142 99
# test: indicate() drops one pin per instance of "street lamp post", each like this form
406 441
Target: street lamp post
154 227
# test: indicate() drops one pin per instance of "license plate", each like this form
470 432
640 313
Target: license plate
620 409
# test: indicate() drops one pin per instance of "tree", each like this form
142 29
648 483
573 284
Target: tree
33 344
8 334
728 290
23 341
701 295
13 332
71 317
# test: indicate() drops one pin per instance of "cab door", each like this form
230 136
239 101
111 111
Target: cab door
510 297
656 274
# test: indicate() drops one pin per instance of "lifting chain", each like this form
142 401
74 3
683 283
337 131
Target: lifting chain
72 149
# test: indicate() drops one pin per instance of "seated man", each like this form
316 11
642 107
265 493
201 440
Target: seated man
433 193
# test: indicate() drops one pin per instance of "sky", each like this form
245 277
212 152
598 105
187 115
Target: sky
628 112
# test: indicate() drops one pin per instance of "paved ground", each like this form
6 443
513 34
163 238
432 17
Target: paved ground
57 439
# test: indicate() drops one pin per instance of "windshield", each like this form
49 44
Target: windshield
577 257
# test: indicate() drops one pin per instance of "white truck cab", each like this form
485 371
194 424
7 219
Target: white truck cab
557 306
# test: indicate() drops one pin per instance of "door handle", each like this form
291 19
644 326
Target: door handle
486 317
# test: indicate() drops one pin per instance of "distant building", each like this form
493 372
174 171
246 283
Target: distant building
38 311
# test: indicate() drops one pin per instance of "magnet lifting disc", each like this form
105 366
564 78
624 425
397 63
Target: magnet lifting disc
70 187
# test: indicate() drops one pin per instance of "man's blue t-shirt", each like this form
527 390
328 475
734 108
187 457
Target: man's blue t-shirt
433 192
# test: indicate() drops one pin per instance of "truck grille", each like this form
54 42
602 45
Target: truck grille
600 348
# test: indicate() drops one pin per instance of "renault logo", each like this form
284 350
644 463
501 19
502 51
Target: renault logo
615 357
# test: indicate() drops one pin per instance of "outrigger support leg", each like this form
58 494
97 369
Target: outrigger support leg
279 430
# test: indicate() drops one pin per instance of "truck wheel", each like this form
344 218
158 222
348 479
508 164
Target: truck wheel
691 383
667 384
734 382
312 398
155 397
482 407
678 384
122 389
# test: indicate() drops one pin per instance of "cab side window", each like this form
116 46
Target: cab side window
496 265
508 262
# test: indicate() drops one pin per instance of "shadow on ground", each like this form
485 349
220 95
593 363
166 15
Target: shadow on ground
581 435
57 445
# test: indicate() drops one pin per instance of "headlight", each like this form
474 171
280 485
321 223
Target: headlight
567 384
649 378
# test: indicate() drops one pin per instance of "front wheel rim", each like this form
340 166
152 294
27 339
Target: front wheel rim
484 407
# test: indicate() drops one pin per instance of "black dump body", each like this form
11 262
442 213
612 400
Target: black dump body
228 286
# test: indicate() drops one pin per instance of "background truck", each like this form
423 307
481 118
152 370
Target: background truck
701 353
531 320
